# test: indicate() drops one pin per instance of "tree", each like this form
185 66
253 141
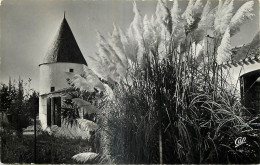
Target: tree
19 102
5 97
32 104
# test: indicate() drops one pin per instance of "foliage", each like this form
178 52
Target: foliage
85 157
49 149
224 49
77 101
244 13
164 88
19 102
198 126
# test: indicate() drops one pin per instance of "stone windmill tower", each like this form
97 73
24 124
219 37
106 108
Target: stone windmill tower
63 60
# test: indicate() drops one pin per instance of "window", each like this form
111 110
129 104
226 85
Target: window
52 89
71 70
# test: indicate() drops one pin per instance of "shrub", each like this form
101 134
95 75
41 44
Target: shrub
166 96
49 149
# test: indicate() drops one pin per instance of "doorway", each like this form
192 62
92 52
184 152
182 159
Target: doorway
54 111
250 91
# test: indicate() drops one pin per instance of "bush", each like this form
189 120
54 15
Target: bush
166 96
176 105
19 103
49 149
197 123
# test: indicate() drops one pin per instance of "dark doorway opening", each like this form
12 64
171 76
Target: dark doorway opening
250 91
54 111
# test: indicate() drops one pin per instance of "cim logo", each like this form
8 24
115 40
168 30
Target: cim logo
239 141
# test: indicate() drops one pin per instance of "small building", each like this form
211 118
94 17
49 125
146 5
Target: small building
62 61
244 70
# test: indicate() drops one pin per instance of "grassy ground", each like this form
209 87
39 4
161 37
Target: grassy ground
49 149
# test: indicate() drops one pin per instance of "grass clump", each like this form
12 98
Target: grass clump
197 120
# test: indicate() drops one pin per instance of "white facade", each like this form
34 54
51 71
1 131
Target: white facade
235 72
54 75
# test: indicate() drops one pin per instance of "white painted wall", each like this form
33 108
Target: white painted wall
54 75
235 72
43 111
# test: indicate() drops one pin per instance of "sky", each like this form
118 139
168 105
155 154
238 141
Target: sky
28 27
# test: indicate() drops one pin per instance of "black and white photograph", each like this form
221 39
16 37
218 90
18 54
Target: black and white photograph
129 82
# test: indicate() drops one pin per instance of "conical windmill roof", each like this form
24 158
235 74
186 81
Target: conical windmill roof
64 48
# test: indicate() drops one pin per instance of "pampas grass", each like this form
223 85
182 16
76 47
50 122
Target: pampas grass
85 157
166 101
